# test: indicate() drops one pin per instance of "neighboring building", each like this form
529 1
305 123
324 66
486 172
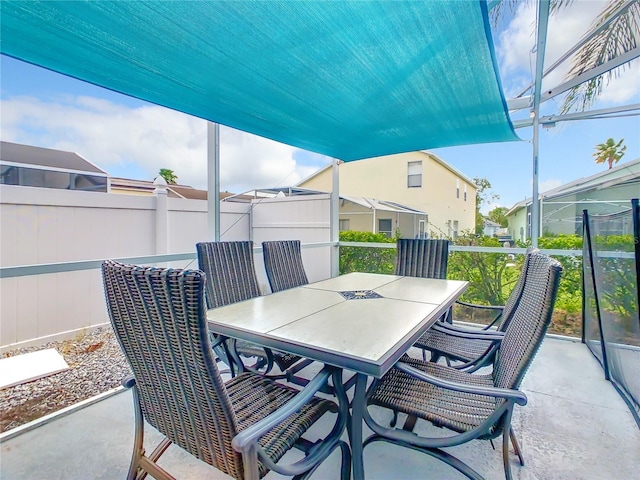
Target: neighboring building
48 168
356 213
43 167
490 228
128 186
607 192
520 220
419 180
378 216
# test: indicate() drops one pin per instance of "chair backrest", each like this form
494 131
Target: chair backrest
425 258
159 318
531 318
230 272
512 301
283 264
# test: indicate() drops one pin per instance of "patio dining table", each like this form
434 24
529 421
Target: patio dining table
361 322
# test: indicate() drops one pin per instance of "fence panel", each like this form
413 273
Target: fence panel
614 270
48 228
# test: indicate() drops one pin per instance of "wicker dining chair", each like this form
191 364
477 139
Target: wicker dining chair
231 277
476 406
472 346
285 270
242 426
426 258
283 264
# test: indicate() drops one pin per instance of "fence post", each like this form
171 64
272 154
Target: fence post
162 230
334 224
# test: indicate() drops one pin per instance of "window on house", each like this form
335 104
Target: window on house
414 174
465 192
34 177
457 188
422 233
455 229
344 224
9 175
385 225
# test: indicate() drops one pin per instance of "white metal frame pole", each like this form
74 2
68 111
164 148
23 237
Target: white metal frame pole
334 223
213 181
543 22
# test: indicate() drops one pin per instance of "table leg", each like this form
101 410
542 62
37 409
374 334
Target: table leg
355 426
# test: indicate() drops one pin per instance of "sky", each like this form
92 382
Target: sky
130 138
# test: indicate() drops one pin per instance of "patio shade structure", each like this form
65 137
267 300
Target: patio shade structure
348 79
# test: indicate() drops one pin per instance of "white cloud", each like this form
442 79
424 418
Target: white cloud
622 87
515 43
151 137
547 185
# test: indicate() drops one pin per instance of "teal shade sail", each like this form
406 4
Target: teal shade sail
348 79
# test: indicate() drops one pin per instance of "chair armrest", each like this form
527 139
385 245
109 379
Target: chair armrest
245 439
475 305
486 329
468 333
129 381
499 309
514 395
457 328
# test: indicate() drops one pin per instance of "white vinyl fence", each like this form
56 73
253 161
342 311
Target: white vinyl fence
304 218
52 243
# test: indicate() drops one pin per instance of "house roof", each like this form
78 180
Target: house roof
620 174
38 157
348 79
269 193
451 168
375 204
490 223
185 191
315 174
370 203
437 159
147 186
29 156
518 206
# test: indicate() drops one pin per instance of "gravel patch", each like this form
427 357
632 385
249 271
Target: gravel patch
96 365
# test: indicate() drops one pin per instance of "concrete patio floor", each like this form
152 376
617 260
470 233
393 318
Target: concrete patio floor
575 426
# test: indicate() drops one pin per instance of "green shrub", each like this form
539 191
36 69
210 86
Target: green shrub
491 276
366 259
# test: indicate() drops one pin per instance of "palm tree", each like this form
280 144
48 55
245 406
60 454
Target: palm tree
169 176
609 151
619 36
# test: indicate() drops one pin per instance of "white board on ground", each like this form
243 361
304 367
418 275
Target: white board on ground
30 366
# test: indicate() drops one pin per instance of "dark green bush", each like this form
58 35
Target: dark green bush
366 259
616 272
492 276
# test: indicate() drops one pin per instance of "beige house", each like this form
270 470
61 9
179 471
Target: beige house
419 180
